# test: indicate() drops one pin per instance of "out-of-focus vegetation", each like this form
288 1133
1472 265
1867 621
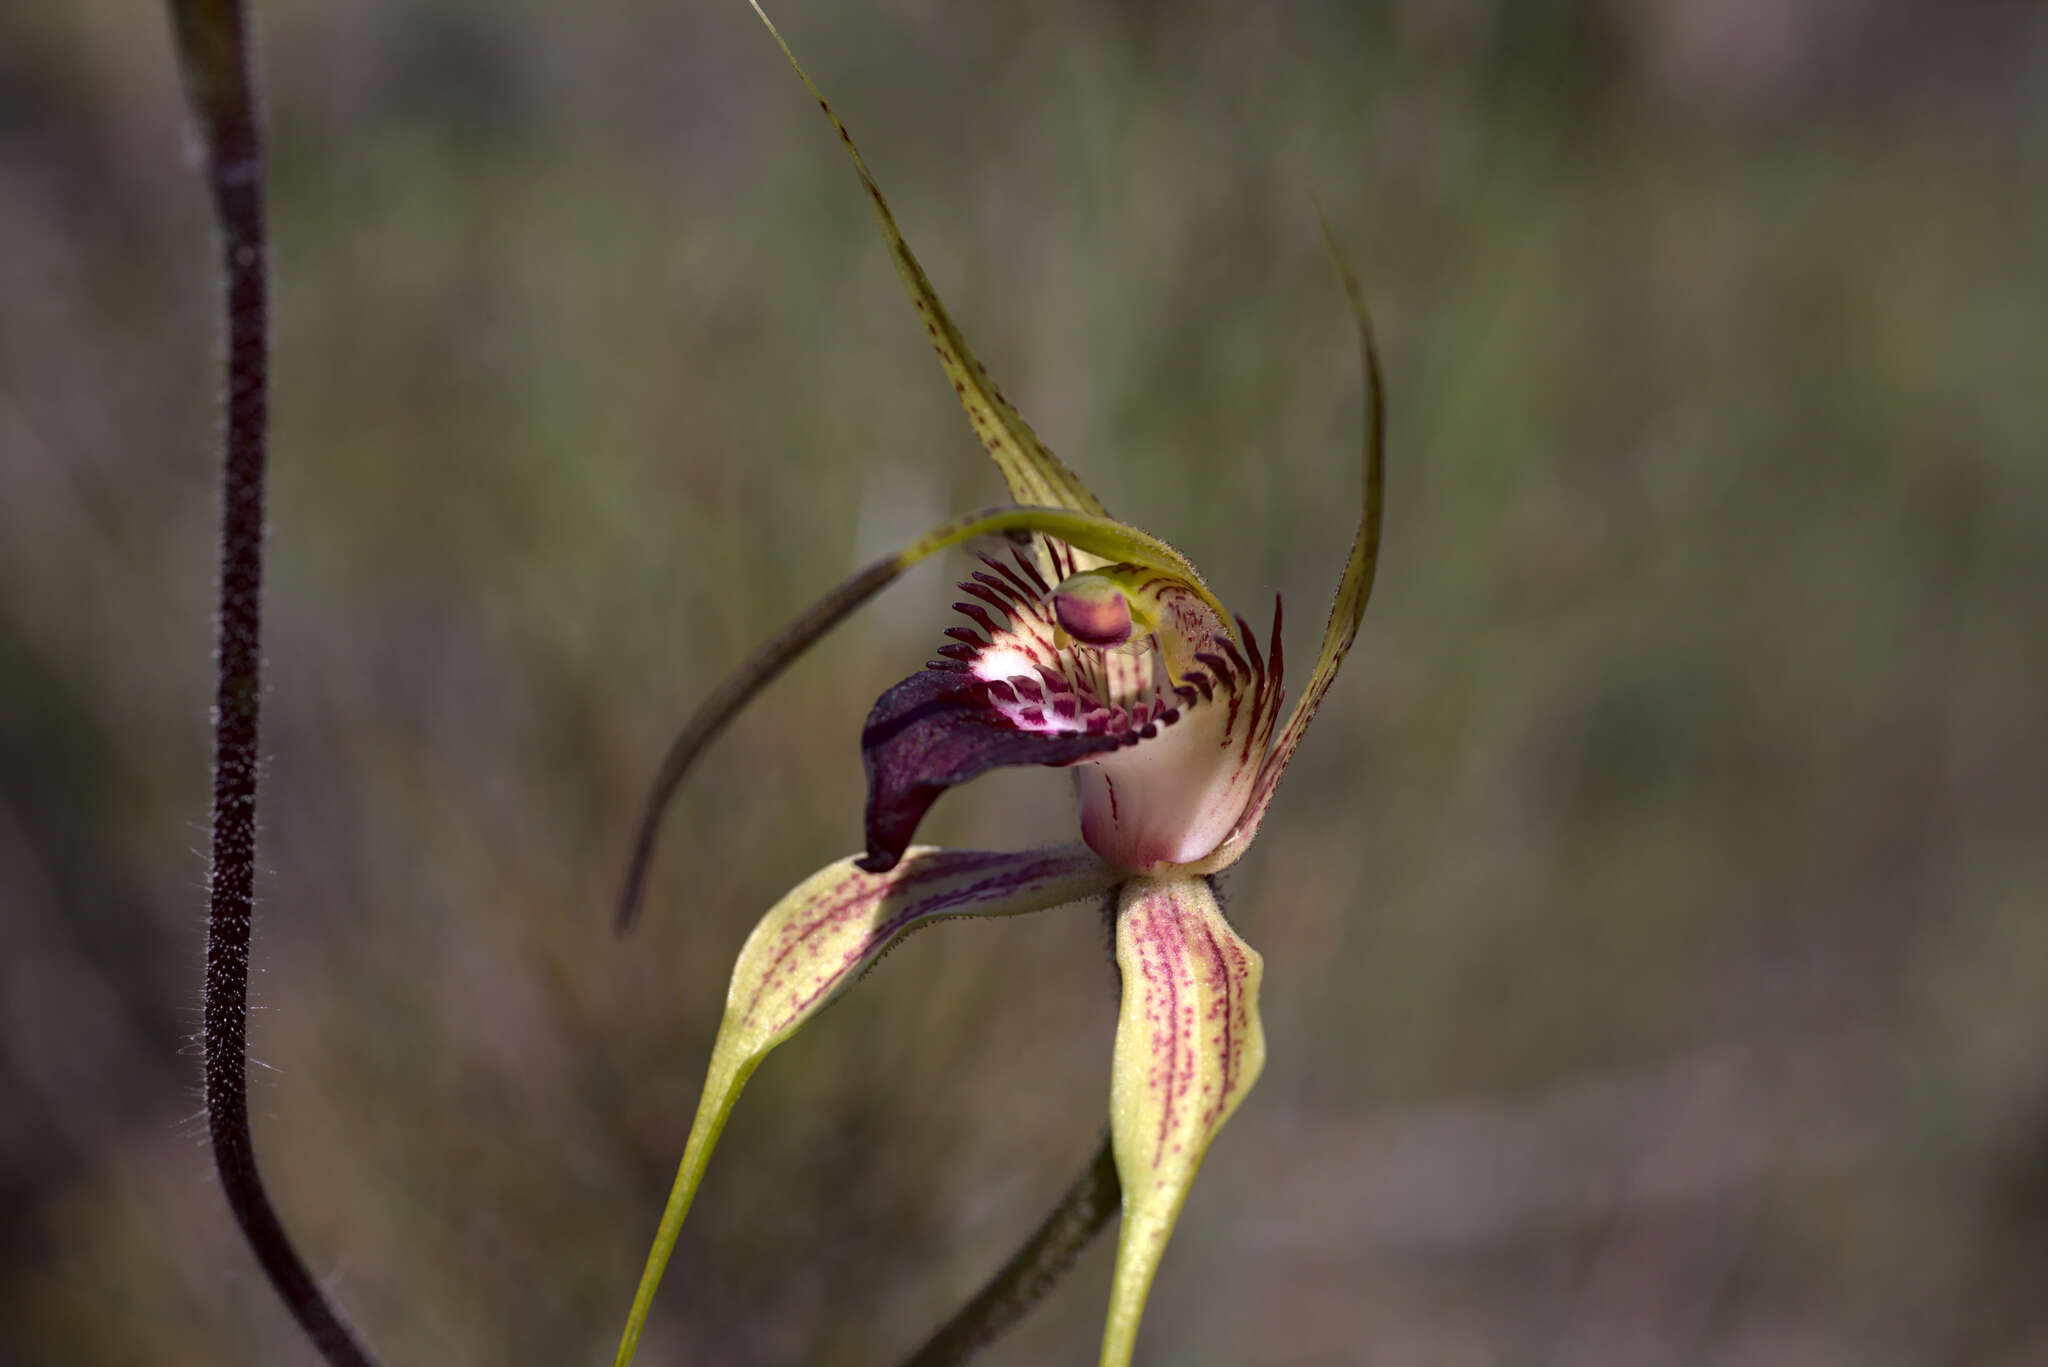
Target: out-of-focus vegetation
1656 927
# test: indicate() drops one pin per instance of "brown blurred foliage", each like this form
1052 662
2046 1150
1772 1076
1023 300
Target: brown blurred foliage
1657 963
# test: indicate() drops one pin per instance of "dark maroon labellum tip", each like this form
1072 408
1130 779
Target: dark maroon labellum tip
936 729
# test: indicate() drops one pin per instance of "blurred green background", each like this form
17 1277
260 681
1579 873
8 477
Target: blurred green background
1656 926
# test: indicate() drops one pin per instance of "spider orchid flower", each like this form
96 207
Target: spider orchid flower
1096 647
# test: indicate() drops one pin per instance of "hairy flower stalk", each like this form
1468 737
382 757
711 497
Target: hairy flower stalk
213 49
1096 647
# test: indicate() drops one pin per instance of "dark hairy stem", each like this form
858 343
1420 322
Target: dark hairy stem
1033 1270
213 50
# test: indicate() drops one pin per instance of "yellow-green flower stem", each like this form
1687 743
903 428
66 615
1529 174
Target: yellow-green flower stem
1092 532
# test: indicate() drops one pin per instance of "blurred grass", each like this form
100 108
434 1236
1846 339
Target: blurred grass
1654 934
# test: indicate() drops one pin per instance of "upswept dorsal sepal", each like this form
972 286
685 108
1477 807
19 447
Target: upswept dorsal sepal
1033 472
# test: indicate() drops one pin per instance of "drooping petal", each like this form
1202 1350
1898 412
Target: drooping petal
1033 472
1353 590
1189 1045
812 946
1100 536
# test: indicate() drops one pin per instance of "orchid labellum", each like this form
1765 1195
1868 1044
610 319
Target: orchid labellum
1092 646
